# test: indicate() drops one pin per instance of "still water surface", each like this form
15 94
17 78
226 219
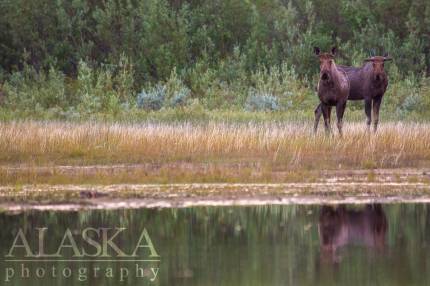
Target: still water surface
262 245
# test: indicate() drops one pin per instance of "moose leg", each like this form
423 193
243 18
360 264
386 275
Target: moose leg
376 105
368 110
318 113
326 111
340 109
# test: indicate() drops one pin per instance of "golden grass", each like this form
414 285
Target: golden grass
276 146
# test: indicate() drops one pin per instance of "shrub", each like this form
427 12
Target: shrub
96 90
177 93
31 90
180 98
124 79
283 83
153 99
416 100
261 102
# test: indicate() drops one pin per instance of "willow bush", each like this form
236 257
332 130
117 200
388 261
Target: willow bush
84 57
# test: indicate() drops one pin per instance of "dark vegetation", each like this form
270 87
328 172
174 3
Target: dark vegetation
128 58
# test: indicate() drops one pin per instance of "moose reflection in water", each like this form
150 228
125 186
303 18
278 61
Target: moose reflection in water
339 227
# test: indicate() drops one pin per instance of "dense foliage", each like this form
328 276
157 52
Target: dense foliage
82 57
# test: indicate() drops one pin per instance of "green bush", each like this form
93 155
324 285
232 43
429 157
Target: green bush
261 102
416 100
32 90
180 98
153 99
89 57
177 93
104 89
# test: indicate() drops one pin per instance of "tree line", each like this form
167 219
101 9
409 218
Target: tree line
220 41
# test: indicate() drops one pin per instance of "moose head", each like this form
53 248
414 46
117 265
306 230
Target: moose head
326 63
378 66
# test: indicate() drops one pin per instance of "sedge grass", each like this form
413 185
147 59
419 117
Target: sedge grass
279 145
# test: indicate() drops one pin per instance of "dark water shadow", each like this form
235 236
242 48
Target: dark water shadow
339 227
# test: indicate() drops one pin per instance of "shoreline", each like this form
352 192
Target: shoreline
110 197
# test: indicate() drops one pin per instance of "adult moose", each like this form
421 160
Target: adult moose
369 83
333 88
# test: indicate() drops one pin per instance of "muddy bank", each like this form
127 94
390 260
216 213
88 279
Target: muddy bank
209 172
310 187
76 197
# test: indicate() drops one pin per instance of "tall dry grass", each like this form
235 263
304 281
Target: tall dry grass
285 146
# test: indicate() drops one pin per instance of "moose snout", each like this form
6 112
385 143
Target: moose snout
378 76
325 76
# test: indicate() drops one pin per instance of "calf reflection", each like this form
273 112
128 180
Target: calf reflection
339 227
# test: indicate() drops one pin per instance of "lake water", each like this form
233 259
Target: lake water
261 245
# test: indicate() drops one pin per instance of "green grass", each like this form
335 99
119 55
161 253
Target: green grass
195 114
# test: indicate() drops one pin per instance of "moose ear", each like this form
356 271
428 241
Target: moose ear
317 50
333 51
387 57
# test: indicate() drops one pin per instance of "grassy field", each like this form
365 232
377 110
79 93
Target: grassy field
187 152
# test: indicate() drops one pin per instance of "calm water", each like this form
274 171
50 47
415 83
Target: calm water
270 245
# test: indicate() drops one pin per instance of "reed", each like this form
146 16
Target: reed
278 145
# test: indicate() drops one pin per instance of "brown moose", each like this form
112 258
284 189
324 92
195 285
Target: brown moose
333 88
369 83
